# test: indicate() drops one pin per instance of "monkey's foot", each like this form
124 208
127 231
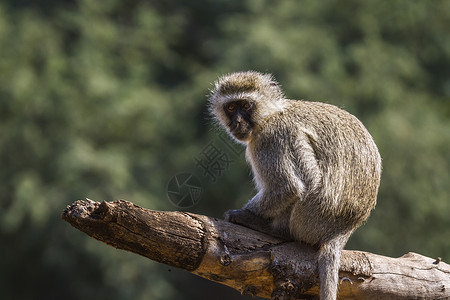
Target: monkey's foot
248 219
245 218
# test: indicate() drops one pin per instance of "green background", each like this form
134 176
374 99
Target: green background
106 100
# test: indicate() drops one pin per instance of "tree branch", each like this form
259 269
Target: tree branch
252 262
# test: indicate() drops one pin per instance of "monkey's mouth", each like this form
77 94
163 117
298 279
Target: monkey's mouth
242 136
241 131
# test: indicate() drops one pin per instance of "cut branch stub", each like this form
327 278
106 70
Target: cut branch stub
172 238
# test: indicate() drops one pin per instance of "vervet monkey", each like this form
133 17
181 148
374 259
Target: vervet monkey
316 167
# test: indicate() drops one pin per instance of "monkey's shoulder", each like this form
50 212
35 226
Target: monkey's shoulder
322 126
317 110
324 118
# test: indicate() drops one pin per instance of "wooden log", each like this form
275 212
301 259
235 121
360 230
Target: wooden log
252 262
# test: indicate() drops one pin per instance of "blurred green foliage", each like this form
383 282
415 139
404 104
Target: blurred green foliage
106 100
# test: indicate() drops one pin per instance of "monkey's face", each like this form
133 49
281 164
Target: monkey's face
240 118
241 102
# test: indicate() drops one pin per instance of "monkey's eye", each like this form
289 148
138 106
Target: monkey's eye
246 105
231 107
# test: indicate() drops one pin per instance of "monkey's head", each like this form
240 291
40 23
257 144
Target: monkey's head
241 102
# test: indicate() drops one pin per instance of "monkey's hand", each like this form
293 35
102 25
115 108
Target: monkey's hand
243 217
248 219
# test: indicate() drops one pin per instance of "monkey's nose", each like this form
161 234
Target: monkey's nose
234 125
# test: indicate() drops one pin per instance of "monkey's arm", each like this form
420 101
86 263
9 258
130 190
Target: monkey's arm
282 179
286 169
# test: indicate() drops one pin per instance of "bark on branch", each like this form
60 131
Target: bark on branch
252 262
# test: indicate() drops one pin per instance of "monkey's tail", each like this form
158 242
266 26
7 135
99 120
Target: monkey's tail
329 260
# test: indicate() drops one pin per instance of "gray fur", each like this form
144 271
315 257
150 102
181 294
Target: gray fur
316 168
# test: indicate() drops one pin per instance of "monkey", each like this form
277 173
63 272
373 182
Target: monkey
315 166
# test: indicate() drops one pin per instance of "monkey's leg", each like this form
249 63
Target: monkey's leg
248 219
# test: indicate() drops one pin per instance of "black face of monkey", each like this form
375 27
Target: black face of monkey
240 113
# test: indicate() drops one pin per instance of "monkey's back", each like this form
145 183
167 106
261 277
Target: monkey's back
348 167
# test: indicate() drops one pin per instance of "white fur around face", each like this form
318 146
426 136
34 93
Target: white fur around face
260 89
